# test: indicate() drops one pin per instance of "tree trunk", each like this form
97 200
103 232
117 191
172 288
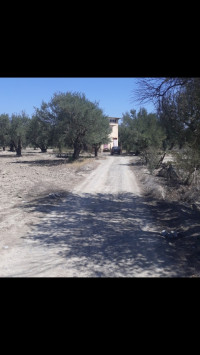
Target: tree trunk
96 151
43 150
77 149
12 147
19 148
161 160
76 154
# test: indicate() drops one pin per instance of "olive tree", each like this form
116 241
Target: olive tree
39 133
75 121
18 131
4 130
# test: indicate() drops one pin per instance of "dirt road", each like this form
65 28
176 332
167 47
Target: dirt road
100 228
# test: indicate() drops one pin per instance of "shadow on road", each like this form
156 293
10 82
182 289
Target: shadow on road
111 235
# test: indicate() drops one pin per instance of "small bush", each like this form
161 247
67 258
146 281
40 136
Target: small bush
153 158
187 166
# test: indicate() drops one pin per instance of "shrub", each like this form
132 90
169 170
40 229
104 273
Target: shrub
187 165
153 158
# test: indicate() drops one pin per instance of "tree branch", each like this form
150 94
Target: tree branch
153 89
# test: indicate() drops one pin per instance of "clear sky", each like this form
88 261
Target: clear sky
114 95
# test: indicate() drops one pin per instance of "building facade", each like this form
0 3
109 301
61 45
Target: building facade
113 121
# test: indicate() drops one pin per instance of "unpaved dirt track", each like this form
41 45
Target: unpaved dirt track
102 228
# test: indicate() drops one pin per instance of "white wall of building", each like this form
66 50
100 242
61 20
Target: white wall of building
113 121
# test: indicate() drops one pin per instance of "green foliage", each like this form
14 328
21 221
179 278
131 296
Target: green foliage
127 132
99 133
18 131
39 133
75 121
4 130
178 108
143 134
150 133
188 164
152 157
140 131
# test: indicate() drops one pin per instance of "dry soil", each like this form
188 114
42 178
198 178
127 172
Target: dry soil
86 219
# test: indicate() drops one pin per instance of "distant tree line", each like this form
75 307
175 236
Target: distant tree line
174 126
67 120
177 102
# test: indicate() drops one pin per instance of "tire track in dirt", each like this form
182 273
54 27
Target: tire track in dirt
102 228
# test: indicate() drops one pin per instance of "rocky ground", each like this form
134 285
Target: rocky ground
34 184
176 209
31 176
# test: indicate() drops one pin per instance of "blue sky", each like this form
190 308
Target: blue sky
114 95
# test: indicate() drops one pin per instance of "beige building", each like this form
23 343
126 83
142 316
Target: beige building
113 121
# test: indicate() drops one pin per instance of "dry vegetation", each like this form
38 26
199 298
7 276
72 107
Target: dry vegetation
175 207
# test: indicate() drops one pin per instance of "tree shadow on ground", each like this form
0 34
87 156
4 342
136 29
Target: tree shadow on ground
182 218
43 162
110 235
8 155
52 162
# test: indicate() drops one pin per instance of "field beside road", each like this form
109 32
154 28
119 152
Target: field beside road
87 219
